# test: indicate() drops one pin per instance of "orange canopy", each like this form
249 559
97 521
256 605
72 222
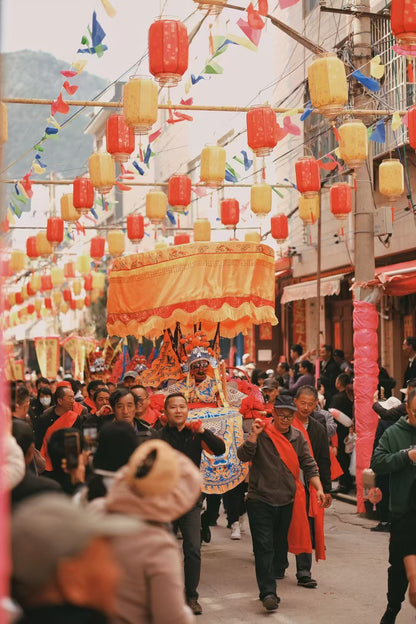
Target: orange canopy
398 279
230 283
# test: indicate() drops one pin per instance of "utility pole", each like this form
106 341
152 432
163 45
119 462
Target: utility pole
365 316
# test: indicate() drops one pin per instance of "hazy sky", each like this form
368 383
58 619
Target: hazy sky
57 26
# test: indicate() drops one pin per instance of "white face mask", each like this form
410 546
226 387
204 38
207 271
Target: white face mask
46 400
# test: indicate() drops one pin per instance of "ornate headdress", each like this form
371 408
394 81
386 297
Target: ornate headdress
197 348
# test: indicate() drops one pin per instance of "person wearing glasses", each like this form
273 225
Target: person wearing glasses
276 503
145 411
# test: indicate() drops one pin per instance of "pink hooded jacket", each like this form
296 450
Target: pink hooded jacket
152 588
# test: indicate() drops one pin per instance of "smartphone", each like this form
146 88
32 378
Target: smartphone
72 449
90 438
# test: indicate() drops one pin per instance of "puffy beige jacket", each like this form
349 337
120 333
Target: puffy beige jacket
152 588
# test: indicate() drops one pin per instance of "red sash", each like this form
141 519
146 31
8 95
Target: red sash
315 511
336 470
77 408
299 537
89 403
63 422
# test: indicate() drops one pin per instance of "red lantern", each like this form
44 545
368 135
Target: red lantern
82 194
97 247
230 212
403 25
69 270
55 231
411 126
67 294
308 179
88 283
181 239
30 290
46 282
48 303
73 304
31 249
135 228
261 130
30 308
340 199
87 301
6 305
120 138
19 298
179 192
168 51
279 228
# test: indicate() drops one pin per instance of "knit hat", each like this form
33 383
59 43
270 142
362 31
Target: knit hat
153 469
48 528
284 401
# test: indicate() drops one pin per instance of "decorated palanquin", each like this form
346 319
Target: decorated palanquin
221 288
230 283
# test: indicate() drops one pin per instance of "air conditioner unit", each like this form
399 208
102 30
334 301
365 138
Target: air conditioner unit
383 221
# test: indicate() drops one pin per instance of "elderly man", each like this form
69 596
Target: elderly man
64 570
276 503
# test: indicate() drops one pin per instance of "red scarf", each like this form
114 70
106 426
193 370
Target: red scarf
299 537
63 422
90 403
315 511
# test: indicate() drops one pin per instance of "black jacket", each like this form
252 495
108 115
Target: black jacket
190 443
31 485
410 372
320 447
63 614
47 419
393 414
328 374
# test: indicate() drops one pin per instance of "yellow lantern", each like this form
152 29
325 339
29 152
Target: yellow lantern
98 280
102 170
57 297
252 237
24 293
83 264
79 304
116 242
261 199
391 178
64 307
57 276
38 304
35 282
76 287
328 85
12 298
68 211
210 9
14 319
156 206
95 294
140 102
43 246
18 261
353 144
3 123
213 165
202 230
309 209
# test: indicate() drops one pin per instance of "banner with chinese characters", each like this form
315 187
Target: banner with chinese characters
299 322
78 348
47 352
18 370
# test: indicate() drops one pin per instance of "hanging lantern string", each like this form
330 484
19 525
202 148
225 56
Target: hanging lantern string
150 184
360 112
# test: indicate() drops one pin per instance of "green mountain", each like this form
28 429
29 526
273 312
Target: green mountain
29 74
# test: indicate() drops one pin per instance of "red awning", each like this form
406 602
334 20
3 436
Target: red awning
398 279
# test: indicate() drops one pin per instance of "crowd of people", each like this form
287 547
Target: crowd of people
105 478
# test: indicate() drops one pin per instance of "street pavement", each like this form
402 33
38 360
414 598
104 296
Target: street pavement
352 582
